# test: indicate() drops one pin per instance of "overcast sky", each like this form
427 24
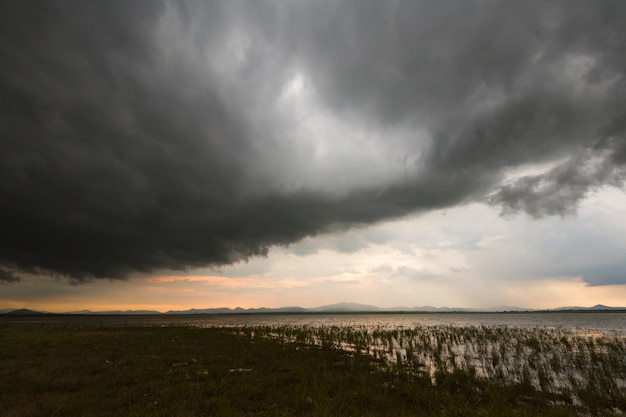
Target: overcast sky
178 154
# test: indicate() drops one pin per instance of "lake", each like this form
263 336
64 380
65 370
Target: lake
613 323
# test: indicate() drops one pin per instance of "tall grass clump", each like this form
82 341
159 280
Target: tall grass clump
561 367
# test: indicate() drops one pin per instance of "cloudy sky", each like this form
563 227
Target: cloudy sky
178 154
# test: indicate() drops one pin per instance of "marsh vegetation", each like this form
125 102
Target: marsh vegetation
281 370
571 368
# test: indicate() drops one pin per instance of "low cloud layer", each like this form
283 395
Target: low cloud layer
171 135
7 276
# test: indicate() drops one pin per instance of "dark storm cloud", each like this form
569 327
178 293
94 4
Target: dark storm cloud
145 135
559 190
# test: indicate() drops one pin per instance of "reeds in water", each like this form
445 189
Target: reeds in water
587 371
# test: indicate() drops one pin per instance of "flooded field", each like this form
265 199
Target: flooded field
582 368
574 363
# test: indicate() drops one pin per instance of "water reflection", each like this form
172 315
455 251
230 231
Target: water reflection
613 323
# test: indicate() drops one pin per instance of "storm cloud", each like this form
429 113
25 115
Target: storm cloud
138 136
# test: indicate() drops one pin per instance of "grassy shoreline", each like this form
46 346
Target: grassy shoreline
274 371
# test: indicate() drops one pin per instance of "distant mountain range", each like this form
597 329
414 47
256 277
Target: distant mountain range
21 312
332 308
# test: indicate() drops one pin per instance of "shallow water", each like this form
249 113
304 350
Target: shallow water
613 323
579 357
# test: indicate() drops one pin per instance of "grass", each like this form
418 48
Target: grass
325 371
